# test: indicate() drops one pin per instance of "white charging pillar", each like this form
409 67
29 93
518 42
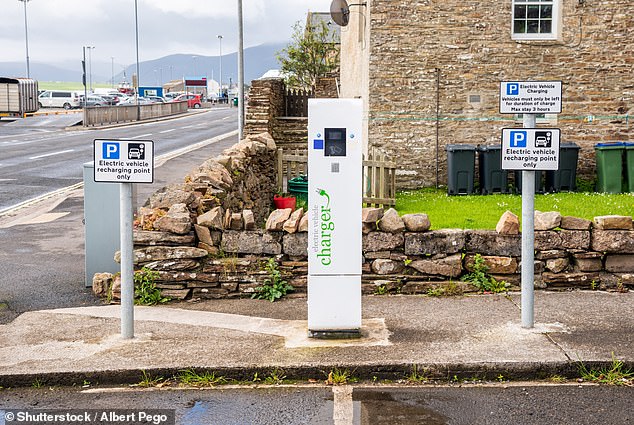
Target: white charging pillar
335 145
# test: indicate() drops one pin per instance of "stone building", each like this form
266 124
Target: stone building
429 72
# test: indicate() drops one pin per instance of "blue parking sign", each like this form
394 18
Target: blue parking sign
518 139
110 150
512 89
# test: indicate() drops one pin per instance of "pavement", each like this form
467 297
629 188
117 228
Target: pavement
478 336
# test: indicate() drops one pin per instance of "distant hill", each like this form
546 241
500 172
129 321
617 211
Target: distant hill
257 60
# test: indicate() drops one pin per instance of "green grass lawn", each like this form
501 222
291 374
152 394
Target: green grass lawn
484 211
67 85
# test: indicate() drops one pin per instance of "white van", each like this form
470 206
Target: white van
59 99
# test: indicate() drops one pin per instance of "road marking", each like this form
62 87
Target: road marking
158 161
187 126
51 154
343 409
141 135
167 131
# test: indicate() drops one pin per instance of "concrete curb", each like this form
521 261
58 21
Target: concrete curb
390 372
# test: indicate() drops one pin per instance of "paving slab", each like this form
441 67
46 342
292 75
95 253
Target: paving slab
473 334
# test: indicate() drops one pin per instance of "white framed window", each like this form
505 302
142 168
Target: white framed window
536 19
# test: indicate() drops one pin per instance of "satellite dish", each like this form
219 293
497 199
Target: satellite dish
340 12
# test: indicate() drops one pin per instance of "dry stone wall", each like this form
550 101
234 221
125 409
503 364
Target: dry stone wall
400 254
458 51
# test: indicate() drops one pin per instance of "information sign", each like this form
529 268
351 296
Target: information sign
124 161
531 149
530 97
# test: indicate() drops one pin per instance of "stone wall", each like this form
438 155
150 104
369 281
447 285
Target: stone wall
242 177
266 101
458 51
227 256
265 111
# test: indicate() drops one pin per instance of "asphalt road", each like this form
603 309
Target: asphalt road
42 255
497 404
38 156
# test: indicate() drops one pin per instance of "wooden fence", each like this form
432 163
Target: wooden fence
296 102
379 175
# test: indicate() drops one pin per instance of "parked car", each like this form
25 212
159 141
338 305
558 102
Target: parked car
59 99
111 99
132 101
93 100
156 99
193 100
170 96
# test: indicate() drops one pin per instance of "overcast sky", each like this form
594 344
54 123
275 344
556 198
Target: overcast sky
57 29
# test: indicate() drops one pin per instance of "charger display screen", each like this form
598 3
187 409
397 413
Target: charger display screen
335 142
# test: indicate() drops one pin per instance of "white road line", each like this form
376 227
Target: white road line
141 135
343 410
187 126
51 154
157 162
167 131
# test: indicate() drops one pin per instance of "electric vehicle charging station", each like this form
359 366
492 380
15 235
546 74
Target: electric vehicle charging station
335 145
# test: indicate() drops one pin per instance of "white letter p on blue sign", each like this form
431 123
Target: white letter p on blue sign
110 151
512 89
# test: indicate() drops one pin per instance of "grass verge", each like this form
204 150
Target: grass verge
484 211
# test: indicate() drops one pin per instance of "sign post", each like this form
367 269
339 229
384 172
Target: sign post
125 162
529 149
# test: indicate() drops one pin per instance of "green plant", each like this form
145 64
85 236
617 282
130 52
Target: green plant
276 377
381 289
480 278
339 377
274 287
145 290
37 383
593 285
557 379
204 379
147 380
407 261
615 374
500 378
416 377
311 54
436 292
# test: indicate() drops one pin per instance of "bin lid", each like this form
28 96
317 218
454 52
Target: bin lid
299 179
569 145
454 148
610 145
484 148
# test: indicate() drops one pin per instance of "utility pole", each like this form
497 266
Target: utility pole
220 90
90 49
240 73
26 37
112 70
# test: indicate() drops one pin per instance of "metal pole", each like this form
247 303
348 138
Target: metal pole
220 89
90 48
85 89
127 267
528 239
138 74
112 70
240 73
26 37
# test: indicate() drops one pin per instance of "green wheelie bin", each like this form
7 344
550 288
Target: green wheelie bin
609 166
